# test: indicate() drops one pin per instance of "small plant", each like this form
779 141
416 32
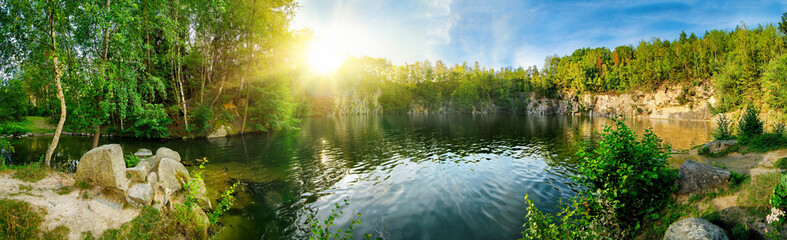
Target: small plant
225 203
83 185
750 125
64 190
711 216
723 129
779 197
736 179
740 232
321 231
778 129
131 160
781 163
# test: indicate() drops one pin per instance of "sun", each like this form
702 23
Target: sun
325 56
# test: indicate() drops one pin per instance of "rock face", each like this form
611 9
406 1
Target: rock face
696 177
694 229
103 166
171 175
222 131
720 145
163 152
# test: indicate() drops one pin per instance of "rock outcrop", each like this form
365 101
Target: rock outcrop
694 229
102 166
696 177
719 145
222 131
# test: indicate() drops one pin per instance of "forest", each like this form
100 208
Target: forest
164 68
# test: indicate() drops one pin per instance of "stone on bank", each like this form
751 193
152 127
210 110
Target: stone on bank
694 229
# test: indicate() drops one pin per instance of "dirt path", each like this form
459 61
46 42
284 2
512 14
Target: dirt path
94 214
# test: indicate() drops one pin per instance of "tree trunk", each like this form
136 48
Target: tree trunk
245 111
59 129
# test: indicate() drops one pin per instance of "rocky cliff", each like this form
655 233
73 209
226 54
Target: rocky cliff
674 102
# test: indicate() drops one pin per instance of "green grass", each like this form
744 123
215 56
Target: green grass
60 232
30 124
29 173
756 193
64 190
153 224
19 220
781 163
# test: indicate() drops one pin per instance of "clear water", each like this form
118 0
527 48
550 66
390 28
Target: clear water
411 177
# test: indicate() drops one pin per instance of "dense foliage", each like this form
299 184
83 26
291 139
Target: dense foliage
723 129
139 67
626 180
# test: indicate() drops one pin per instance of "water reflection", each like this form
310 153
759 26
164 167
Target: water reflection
412 177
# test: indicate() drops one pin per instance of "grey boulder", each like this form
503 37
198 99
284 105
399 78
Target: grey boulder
102 166
696 177
694 229
163 152
172 175
143 153
719 145
140 193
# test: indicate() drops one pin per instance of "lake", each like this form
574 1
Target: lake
409 176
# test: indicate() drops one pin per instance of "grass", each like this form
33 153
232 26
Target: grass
64 190
60 232
30 124
153 224
19 220
781 163
29 173
757 192
83 185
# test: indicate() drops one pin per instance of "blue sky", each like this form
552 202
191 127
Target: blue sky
514 33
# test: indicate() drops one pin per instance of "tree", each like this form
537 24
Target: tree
33 32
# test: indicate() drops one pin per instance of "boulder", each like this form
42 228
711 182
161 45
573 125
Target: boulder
163 152
143 153
102 166
222 131
694 229
171 175
719 145
140 193
140 172
696 177
202 193
152 180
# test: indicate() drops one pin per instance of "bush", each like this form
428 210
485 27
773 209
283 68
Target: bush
14 99
395 98
750 125
201 120
626 181
632 174
723 131
151 122
779 197
131 160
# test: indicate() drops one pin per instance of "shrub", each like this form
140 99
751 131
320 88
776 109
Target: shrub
150 122
723 131
201 120
131 160
321 231
626 181
629 173
779 197
750 125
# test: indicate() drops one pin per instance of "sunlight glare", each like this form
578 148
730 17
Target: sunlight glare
325 56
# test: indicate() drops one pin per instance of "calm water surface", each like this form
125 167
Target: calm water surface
411 177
